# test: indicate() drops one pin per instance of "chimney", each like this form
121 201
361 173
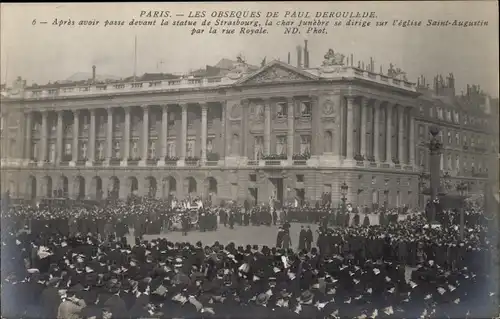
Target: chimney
306 55
299 56
289 58
93 74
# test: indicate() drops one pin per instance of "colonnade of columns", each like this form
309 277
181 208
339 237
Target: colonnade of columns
109 134
394 117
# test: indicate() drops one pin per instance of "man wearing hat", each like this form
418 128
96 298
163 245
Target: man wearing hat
71 307
115 302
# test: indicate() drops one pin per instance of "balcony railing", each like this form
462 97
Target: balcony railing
300 162
133 161
211 163
170 162
98 162
191 162
151 161
272 162
253 163
114 161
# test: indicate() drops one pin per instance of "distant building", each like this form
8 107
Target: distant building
235 131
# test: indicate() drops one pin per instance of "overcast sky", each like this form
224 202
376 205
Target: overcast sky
45 53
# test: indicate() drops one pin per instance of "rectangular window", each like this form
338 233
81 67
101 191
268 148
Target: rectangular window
300 178
52 153
152 149
171 149
83 151
191 148
305 144
35 151
116 148
281 145
210 145
457 138
252 177
281 109
258 147
67 149
135 150
100 150
450 140
305 109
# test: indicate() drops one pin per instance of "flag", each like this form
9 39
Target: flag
296 203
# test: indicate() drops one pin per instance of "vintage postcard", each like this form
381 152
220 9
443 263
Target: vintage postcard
250 160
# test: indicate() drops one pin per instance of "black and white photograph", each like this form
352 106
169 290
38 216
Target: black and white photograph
250 160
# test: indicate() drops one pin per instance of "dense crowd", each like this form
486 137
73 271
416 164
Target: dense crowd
338 272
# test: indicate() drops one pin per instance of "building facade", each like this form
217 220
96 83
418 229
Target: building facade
244 134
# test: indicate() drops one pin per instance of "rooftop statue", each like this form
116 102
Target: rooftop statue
396 73
239 68
332 58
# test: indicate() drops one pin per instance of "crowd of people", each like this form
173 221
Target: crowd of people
346 269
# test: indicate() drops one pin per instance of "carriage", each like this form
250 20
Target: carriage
176 220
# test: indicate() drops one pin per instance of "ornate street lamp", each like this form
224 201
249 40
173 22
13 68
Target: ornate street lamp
435 148
343 190
462 191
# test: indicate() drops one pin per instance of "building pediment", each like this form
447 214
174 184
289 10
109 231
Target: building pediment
276 72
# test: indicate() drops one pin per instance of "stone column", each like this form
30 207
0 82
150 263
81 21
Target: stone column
59 137
109 135
340 131
164 134
184 129
350 128
411 140
364 111
29 131
91 158
376 131
388 134
126 137
401 148
4 136
290 131
435 150
267 127
145 134
204 109
223 131
43 152
76 128
315 127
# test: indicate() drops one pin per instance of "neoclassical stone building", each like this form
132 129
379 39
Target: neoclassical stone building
244 133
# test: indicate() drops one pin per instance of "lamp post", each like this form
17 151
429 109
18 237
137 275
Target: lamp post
462 191
343 190
435 147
